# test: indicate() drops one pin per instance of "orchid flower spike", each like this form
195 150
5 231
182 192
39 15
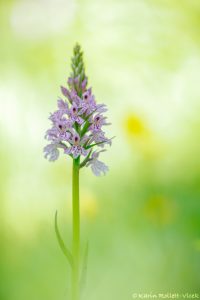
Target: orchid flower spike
78 122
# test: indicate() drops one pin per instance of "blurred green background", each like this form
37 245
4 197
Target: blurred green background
143 219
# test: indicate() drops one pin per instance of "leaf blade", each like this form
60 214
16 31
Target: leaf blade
64 249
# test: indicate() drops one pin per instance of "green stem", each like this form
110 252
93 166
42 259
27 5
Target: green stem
76 231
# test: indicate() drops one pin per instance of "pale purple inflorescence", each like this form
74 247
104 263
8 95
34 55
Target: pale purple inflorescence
78 123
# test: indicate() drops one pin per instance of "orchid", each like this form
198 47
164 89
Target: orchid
77 129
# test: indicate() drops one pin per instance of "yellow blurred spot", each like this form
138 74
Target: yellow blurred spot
160 210
135 126
141 138
88 205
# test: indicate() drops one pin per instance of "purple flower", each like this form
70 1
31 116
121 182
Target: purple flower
78 123
84 84
51 152
74 114
66 92
75 98
74 82
101 108
57 115
97 166
63 106
97 122
88 104
76 148
99 138
70 81
54 135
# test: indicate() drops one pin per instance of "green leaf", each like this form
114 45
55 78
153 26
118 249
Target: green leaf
92 145
64 249
85 160
85 128
84 268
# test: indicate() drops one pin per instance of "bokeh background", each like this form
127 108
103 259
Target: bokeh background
143 219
